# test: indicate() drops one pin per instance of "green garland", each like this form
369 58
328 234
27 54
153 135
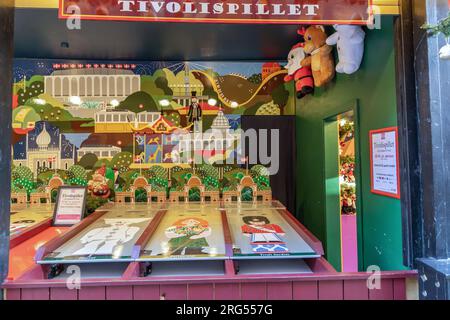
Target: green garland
443 26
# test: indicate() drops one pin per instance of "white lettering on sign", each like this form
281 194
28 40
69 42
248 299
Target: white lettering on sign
218 8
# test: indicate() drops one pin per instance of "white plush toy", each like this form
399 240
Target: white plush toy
444 53
350 44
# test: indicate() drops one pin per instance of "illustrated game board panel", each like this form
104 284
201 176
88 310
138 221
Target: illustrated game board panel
262 231
187 232
25 217
110 238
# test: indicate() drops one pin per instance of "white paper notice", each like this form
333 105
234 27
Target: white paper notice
70 207
384 163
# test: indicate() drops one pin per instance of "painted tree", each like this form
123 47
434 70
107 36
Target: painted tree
163 84
209 175
138 102
78 172
261 176
22 179
22 172
77 176
280 95
122 161
88 161
32 91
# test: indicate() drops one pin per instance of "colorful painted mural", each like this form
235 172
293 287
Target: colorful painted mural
71 119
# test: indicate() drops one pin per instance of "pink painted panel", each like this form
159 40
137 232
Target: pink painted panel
173 291
119 293
200 292
356 290
150 292
386 292
13 294
400 289
305 290
331 290
92 293
35 294
63 294
227 291
349 243
253 291
279 291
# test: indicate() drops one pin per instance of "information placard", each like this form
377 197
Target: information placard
70 206
384 162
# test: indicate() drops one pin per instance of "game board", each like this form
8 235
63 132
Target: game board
110 238
187 232
261 230
25 217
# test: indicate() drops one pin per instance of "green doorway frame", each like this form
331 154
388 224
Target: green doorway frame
333 250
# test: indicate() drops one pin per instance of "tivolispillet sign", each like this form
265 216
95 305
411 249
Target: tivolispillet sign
216 11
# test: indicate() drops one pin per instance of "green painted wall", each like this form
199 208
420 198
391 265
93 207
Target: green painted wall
373 89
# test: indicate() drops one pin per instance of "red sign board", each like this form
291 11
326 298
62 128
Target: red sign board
222 11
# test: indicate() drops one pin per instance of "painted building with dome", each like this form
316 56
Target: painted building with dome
44 147
217 141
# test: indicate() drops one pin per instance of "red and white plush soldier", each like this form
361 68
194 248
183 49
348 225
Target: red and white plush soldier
304 81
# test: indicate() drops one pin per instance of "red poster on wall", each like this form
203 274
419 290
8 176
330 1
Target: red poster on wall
222 11
384 162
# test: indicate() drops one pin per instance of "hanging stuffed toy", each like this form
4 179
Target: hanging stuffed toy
444 53
350 45
304 82
443 27
321 59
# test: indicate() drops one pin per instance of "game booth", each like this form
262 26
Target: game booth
205 150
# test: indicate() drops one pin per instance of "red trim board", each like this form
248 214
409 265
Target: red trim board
219 11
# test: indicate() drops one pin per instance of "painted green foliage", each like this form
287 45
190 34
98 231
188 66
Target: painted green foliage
138 102
24 115
22 180
210 176
158 178
33 90
88 161
77 176
49 112
156 85
122 161
261 175
373 88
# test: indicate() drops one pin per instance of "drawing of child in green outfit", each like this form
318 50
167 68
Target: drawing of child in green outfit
188 237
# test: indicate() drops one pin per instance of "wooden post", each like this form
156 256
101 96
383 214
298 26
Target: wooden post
6 65
433 102
407 115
